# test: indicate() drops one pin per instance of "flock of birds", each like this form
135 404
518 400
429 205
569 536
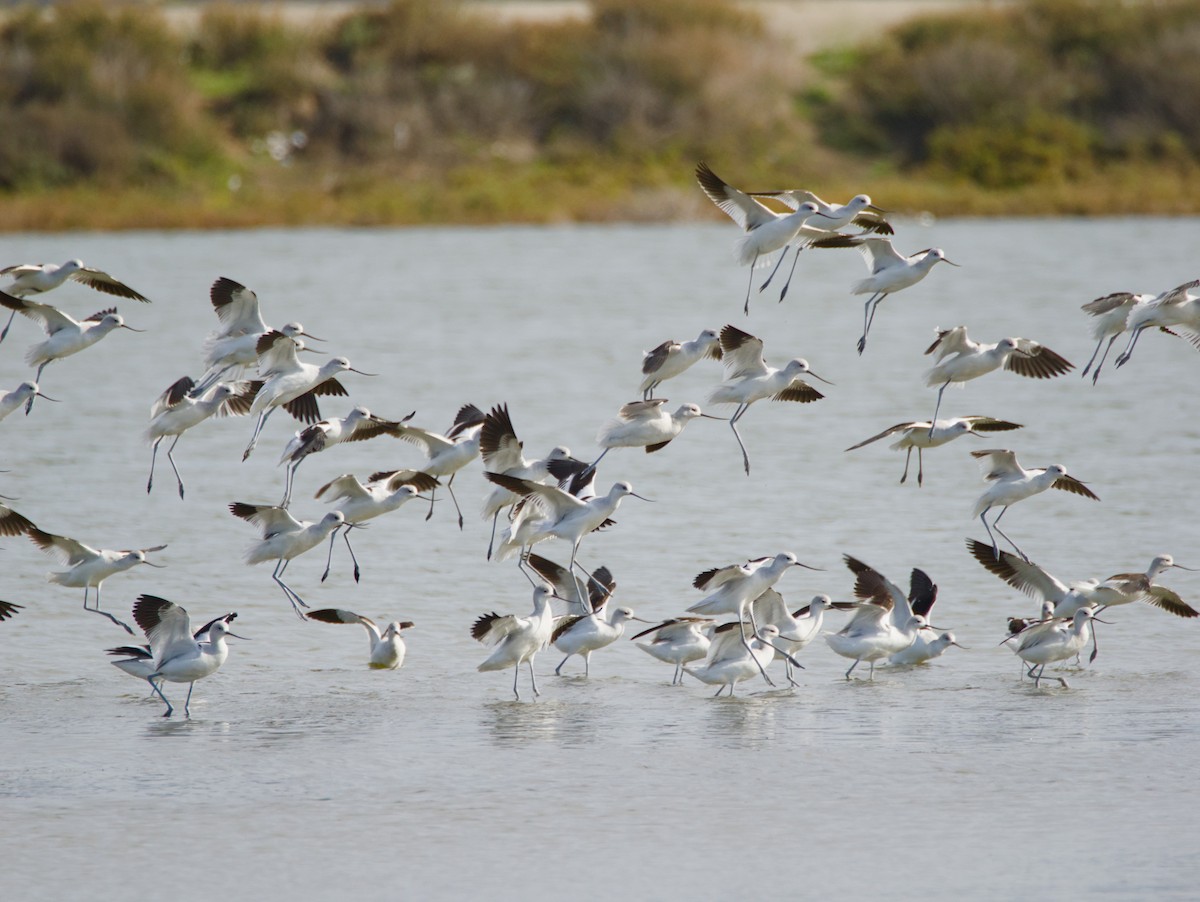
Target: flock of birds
252 369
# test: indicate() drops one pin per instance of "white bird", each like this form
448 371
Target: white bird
65 335
1109 316
22 394
503 452
646 424
297 390
749 379
138 660
37 278
796 629
672 358
357 426
234 344
283 538
883 625
179 408
445 454
585 633
517 640
1054 640
362 502
678 641
1176 307
557 514
387 647
178 657
929 643
732 589
89 567
890 271
731 659
960 359
859 210
1130 587
933 434
1010 483
1063 598
765 230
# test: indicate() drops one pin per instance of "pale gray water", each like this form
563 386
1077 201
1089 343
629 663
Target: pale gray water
303 774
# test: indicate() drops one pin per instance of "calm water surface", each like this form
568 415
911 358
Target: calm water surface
303 774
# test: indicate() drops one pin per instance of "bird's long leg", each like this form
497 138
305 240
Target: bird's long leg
96 610
262 421
289 475
749 609
187 711
774 269
996 526
450 489
153 456
592 466
937 407
516 673
492 540
920 467
288 591
1096 375
737 414
158 689
533 679
869 317
350 548
983 520
1095 646
432 495
1094 353
788 283
558 669
852 666
171 459
1121 361
749 285
587 663
7 326
907 460
329 557
871 677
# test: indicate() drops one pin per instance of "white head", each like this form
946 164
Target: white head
559 452
708 337
1056 470
937 255
688 412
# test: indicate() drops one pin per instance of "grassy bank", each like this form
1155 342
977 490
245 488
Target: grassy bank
425 111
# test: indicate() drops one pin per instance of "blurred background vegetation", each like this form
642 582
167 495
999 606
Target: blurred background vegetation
434 111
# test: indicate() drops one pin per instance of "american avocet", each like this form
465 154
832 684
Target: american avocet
138 660
1124 588
234 344
9 609
961 359
357 426
1109 316
672 357
881 626
678 641
517 639
1054 640
446 454
297 390
22 394
1176 307
932 434
387 646
503 452
178 409
796 629
749 379
733 588
646 424
1010 483
65 335
283 538
178 657
732 659
30 279
89 567
588 633
929 643
361 502
765 230
890 271
557 514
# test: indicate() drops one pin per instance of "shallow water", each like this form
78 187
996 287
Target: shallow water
303 773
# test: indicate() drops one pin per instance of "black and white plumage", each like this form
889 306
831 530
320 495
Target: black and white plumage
387 646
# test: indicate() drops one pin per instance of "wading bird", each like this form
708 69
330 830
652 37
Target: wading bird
678 641
517 640
30 279
933 434
387 647
672 357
